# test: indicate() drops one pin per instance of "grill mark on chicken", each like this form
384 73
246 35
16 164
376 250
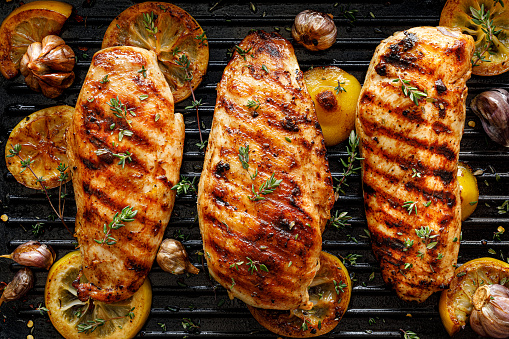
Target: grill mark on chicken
426 142
286 225
441 149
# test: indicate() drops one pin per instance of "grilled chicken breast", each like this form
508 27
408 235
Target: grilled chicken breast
125 148
265 192
410 151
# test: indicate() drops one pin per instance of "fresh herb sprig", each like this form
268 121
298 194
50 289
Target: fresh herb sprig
120 110
340 220
244 156
184 63
411 92
184 185
410 206
425 234
348 166
340 88
252 266
482 17
409 335
91 325
15 151
126 215
267 187
149 21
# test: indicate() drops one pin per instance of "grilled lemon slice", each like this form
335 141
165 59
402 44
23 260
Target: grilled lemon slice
41 136
330 293
25 25
91 319
458 13
170 32
456 303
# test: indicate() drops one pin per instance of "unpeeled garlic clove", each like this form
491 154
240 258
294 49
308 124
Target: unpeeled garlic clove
22 282
314 30
173 258
492 107
33 253
490 316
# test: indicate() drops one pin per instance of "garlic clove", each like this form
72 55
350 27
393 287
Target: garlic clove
22 282
32 82
50 42
60 59
492 107
314 30
173 258
33 253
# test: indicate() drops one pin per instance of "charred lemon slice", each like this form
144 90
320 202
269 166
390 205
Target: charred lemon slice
39 139
456 303
335 94
491 50
468 190
25 25
91 319
169 31
330 293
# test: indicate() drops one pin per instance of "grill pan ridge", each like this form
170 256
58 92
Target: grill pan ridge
375 311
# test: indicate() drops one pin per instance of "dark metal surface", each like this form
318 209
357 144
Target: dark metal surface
375 311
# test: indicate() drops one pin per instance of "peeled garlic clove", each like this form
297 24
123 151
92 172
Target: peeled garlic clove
172 257
22 282
314 30
490 316
492 107
33 253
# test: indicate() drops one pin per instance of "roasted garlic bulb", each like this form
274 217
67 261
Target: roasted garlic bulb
314 30
172 257
47 66
33 253
490 317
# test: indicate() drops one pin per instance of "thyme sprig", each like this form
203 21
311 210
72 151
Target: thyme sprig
242 52
340 220
120 110
348 166
425 234
62 168
409 335
123 157
410 206
340 88
126 215
252 266
148 20
410 91
482 18
244 156
184 63
184 185
91 325
267 187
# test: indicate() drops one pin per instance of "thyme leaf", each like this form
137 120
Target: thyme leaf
126 215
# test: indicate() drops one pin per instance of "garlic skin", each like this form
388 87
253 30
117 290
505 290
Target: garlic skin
33 253
47 66
490 316
492 107
172 257
22 282
314 30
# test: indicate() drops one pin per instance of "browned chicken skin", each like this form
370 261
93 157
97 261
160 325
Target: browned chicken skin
410 156
264 251
115 269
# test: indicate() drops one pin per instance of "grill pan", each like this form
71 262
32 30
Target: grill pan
375 311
